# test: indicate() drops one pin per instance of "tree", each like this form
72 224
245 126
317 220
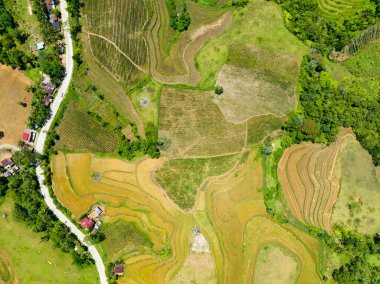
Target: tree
219 90
1 134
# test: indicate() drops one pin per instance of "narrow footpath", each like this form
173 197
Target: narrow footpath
42 138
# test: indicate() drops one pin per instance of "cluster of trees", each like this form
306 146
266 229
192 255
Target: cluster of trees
50 63
31 209
48 32
358 249
327 105
179 21
73 7
11 37
149 146
304 19
39 111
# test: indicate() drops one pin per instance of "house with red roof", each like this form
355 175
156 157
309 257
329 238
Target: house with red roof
7 163
86 223
47 85
119 270
28 136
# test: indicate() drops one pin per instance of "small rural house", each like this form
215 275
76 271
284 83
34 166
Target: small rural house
119 270
7 163
56 25
40 45
47 100
49 5
47 85
86 223
28 136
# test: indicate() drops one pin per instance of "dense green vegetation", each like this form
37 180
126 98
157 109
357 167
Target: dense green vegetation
308 23
179 21
31 209
11 37
327 105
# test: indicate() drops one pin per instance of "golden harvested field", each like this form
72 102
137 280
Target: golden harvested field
172 55
236 211
129 194
191 125
285 263
251 92
306 173
358 205
14 116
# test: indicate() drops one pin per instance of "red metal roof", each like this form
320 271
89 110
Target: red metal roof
6 162
26 135
86 223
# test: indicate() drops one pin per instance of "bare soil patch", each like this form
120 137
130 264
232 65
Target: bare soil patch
14 116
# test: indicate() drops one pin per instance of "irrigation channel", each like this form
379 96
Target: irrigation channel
41 142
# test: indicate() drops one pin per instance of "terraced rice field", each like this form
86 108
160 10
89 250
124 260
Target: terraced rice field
306 173
172 55
336 8
238 226
79 132
191 125
129 194
118 42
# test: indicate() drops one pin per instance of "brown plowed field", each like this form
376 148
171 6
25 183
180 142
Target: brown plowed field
306 175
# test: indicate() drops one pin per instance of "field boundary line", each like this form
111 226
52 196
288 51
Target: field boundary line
119 50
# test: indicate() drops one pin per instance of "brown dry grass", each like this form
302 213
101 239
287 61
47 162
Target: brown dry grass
249 93
13 116
191 125
306 173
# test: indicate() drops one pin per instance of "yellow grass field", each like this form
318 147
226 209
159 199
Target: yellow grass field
236 211
306 173
14 116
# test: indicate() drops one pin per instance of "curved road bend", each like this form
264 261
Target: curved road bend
41 141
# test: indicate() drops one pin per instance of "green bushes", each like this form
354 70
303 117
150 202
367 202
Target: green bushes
179 21
328 105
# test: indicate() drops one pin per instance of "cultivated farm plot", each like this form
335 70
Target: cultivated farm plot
358 205
261 126
191 125
116 31
79 132
182 178
237 215
129 195
14 116
249 93
172 55
306 173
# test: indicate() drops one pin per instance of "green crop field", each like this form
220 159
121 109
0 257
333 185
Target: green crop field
79 132
365 63
336 8
260 127
118 42
182 178
26 259
122 236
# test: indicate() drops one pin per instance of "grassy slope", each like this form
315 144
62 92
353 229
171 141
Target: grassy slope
181 178
254 29
358 205
36 261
